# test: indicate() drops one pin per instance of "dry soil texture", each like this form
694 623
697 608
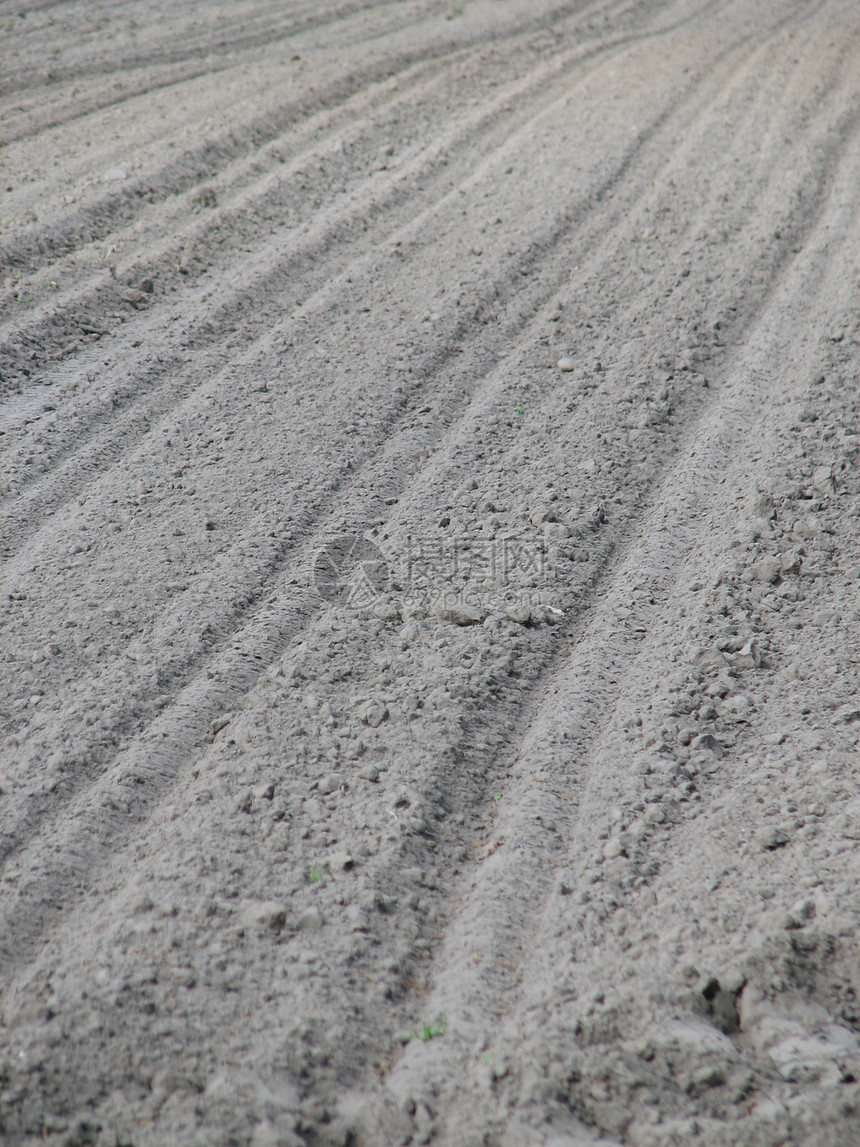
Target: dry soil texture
431 535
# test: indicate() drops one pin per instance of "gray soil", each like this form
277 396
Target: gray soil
430 472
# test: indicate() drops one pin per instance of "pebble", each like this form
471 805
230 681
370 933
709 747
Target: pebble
567 363
521 614
709 742
790 563
263 916
373 713
822 479
269 1134
808 530
771 836
135 298
739 705
758 528
340 861
329 784
369 773
709 659
800 913
386 611
311 920
749 656
459 614
613 848
767 570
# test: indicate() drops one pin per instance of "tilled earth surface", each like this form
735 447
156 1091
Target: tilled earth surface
431 538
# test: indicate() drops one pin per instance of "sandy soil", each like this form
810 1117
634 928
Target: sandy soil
431 538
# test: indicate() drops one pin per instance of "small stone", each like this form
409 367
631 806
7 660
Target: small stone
186 261
758 528
329 784
357 918
264 792
713 1075
654 815
771 836
340 861
424 1123
739 706
767 570
313 809
790 563
768 1111
567 363
263 916
373 713
311 920
135 298
369 773
612 848
268 1134
459 614
800 913
709 742
386 611
805 941
521 614
114 175
709 659
822 479
807 529
749 656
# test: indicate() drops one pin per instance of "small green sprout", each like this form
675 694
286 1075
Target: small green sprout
519 410
432 1031
315 874
497 797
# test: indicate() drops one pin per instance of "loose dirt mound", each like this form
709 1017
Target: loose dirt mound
431 538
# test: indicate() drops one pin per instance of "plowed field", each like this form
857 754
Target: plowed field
430 527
